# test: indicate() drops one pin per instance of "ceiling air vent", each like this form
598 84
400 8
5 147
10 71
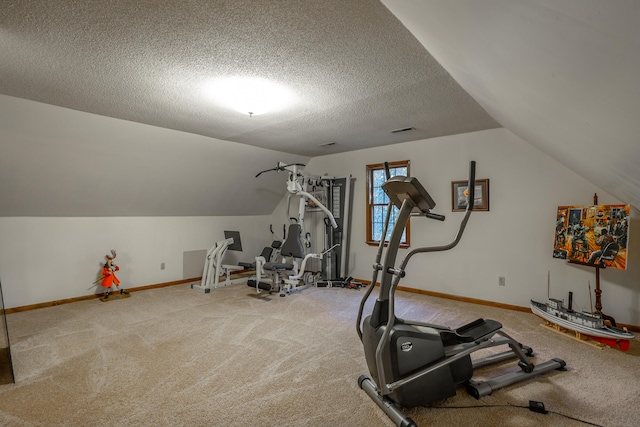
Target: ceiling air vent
402 130
327 144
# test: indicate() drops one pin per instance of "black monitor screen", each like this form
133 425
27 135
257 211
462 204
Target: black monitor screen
237 244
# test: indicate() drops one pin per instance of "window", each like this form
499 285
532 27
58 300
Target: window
377 202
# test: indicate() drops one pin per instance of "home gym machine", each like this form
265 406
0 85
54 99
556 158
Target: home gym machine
335 266
286 276
328 195
413 363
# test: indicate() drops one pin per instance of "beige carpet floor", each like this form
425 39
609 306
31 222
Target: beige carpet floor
174 356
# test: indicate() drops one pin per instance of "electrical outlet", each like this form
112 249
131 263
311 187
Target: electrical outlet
501 281
162 266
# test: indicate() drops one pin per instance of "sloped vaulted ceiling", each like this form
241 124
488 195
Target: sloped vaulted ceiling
562 75
356 72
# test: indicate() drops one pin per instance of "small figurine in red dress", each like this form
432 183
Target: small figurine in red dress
109 278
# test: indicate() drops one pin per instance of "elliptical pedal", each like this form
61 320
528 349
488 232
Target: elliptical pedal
477 330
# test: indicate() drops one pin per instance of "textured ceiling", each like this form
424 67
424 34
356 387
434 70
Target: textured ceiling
561 74
356 72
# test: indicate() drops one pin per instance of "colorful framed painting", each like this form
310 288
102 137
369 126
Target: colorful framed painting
595 235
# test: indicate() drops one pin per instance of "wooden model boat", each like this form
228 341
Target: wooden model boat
592 325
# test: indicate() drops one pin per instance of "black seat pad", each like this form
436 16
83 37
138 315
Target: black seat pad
278 266
266 254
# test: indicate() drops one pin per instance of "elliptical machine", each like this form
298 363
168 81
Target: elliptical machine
413 363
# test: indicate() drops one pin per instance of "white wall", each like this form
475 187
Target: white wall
57 162
514 239
47 259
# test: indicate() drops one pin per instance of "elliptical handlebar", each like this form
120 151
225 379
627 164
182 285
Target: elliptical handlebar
377 266
463 224
437 217
386 287
472 185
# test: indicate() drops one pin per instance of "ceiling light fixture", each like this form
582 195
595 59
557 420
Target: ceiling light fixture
249 95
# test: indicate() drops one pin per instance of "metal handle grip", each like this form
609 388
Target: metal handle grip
472 185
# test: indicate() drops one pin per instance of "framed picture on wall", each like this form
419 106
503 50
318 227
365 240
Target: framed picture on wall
595 235
459 195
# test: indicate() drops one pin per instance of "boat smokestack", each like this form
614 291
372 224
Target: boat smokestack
570 307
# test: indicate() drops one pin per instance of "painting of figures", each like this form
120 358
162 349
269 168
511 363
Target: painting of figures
595 235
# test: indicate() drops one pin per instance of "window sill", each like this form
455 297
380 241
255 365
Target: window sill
377 243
